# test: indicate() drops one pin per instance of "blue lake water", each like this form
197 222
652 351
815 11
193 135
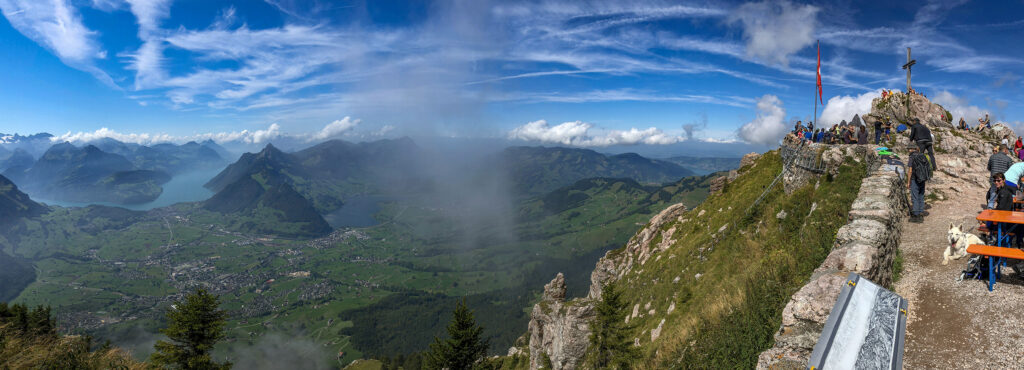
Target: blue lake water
186 187
357 211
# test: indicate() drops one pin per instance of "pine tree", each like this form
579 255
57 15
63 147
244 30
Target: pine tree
465 345
609 336
194 325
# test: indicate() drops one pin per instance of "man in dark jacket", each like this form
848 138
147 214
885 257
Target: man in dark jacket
922 136
917 174
999 162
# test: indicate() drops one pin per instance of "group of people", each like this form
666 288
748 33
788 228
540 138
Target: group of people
842 133
983 123
1017 148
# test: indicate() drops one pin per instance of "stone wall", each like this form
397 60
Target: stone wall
866 245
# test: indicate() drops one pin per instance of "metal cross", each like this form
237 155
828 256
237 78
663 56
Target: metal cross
910 63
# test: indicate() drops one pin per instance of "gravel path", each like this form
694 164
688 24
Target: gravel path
957 325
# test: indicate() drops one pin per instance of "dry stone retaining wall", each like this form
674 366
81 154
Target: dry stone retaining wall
866 245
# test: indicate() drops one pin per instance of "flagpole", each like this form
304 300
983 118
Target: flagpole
816 87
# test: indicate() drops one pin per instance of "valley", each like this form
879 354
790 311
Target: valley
381 283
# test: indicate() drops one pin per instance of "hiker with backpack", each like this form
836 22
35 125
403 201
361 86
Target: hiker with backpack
922 136
918 173
998 163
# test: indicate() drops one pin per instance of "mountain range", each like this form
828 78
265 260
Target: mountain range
706 165
537 170
106 170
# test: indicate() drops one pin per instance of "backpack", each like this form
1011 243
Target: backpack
977 268
921 167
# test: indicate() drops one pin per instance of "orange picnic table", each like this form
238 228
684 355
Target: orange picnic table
1001 217
998 254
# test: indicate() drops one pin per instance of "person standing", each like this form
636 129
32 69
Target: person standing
997 163
862 135
922 136
918 174
878 130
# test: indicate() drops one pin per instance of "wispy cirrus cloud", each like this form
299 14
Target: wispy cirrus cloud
58 26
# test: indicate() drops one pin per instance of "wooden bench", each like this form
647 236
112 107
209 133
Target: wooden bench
984 230
998 257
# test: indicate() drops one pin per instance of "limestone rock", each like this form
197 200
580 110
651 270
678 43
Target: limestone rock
555 290
559 329
749 159
717 184
895 107
657 331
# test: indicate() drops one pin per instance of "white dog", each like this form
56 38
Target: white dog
958 242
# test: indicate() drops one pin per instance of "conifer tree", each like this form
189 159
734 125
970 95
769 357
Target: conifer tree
194 325
609 336
465 346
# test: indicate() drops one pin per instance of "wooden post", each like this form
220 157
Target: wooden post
910 63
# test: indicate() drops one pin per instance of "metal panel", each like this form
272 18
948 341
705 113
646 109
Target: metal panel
865 329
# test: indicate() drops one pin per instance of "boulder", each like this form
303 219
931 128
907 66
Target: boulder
749 159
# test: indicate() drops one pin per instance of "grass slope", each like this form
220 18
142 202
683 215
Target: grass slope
733 284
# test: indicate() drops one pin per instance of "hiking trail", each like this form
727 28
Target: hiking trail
957 325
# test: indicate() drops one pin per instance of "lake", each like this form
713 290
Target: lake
357 211
186 187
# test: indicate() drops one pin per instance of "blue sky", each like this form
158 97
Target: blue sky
561 72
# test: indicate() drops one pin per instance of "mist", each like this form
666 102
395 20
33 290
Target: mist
281 351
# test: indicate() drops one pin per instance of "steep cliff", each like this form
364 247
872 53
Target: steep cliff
708 285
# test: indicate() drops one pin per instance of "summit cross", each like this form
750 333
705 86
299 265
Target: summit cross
910 63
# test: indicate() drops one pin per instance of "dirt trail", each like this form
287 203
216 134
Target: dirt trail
957 325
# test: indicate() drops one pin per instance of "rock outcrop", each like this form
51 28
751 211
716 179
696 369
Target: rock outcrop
560 329
749 159
895 107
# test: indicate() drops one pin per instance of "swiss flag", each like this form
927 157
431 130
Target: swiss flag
819 74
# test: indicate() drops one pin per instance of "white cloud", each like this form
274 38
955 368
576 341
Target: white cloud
384 130
334 129
776 29
768 127
56 25
578 133
564 134
839 108
959 107
104 132
149 13
246 136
